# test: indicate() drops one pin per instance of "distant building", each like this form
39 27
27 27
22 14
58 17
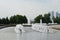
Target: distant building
57 14
54 14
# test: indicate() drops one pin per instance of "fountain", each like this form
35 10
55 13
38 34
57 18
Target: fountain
28 24
19 28
51 17
40 21
52 20
28 20
40 27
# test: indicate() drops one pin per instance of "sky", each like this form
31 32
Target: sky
30 8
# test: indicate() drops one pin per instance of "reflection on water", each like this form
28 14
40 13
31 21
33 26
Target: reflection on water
34 35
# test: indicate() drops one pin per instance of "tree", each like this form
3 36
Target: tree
7 20
57 20
37 19
3 21
12 19
46 18
0 21
18 19
25 19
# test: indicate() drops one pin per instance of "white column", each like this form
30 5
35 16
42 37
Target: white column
40 21
51 17
28 20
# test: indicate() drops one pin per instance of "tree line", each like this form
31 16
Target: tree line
19 19
46 19
16 19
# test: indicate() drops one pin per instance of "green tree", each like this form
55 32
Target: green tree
25 19
18 19
57 20
12 19
46 18
37 19
0 21
7 20
3 21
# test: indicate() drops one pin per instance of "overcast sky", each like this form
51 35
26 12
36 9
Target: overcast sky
30 8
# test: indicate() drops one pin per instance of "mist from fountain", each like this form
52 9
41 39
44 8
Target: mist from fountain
51 18
40 27
19 28
41 21
28 20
